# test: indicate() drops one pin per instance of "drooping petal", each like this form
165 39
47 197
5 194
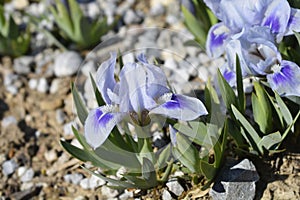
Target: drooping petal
133 89
286 79
229 75
294 22
100 123
217 36
180 107
105 77
277 16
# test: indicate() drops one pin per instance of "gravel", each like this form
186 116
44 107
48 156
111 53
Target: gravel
22 64
42 86
6 121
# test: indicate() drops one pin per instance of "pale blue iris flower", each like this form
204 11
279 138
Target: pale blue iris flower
141 91
236 15
259 56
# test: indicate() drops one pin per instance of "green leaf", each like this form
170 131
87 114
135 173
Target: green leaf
186 153
195 27
240 87
80 107
287 116
80 138
208 170
253 134
290 127
262 111
84 155
297 36
148 172
98 96
122 184
276 107
270 140
227 92
163 157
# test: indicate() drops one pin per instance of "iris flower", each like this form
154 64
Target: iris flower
141 91
259 56
236 15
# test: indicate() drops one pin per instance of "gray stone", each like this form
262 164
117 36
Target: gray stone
95 182
6 121
68 128
157 10
108 192
175 187
166 195
42 86
10 78
236 182
73 178
55 84
51 155
170 63
60 116
33 83
12 89
126 195
84 183
9 167
22 64
67 63
131 17
89 67
27 175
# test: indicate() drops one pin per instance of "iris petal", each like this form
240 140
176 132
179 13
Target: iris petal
286 79
216 38
180 107
100 123
105 77
294 22
277 16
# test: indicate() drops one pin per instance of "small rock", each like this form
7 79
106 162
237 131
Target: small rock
51 105
84 183
33 83
51 155
170 63
95 181
20 4
27 175
60 116
175 187
126 195
21 170
68 128
73 178
237 182
12 89
55 85
157 10
131 17
67 63
166 195
42 85
108 192
80 198
89 67
8 167
6 121
27 188
22 64
10 78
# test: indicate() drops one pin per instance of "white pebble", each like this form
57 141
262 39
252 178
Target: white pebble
9 167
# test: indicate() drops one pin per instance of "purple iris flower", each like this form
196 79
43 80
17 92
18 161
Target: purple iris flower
236 15
142 91
259 56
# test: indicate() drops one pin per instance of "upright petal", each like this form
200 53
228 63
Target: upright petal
180 107
229 75
294 22
277 16
286 79
217 36
105 77
100 123
133 89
